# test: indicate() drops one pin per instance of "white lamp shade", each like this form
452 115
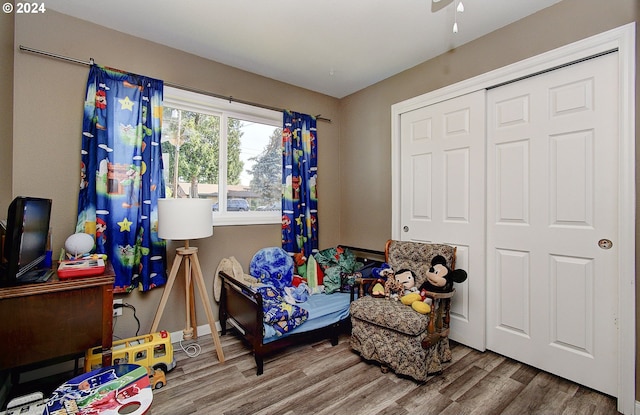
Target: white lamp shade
185 218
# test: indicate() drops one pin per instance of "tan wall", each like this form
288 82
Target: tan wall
6 108
48 105
355 154
366 181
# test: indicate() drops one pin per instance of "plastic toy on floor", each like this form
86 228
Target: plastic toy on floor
31 404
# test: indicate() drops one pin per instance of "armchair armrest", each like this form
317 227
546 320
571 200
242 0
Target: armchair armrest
361 283
439 317
439 296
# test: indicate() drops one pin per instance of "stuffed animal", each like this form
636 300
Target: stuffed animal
440 278
272 266
300 265
417 301
411 295
402 283
408 280
377 288
393 288
383 272
232 268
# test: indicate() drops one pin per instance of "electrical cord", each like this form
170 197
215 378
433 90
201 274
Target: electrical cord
127 305
192 349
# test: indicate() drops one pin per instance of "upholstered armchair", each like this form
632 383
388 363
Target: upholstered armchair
395 335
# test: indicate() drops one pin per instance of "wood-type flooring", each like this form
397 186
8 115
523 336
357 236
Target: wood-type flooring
317 378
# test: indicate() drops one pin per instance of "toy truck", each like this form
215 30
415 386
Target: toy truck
150 350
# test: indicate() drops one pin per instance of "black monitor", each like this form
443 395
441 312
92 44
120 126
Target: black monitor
26 237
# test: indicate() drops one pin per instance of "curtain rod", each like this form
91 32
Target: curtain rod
212 94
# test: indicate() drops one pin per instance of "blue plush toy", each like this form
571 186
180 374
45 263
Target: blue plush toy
384 271
272 266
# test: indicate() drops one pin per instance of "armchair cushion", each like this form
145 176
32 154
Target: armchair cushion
390 314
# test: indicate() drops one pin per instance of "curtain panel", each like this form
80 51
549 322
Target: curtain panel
299 178
121 175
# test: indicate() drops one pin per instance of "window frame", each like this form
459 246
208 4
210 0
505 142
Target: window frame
199 102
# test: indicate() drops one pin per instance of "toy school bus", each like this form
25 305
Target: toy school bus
150 350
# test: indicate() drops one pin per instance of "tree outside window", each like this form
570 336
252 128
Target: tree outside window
239 167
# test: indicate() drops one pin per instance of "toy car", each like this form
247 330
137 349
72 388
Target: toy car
157 379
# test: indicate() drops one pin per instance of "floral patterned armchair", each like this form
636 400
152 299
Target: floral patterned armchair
395 335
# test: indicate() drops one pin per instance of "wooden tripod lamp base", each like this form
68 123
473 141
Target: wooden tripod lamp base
190 257
184 219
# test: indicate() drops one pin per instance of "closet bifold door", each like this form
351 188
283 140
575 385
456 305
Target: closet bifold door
552 158
442 188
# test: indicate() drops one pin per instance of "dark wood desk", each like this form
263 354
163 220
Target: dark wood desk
56 319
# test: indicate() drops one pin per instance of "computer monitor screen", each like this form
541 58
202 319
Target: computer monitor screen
26 236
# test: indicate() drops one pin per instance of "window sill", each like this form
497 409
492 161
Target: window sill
246 218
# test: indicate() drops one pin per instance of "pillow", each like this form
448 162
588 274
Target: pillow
315 276
332 280
336 262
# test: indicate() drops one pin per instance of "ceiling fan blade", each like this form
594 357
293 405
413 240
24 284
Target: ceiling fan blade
439 4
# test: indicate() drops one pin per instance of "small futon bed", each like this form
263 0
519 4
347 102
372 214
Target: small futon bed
274 306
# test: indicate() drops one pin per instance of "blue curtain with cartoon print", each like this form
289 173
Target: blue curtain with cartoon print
121 175
299 177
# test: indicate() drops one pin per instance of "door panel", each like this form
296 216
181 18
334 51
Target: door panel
553 179
442 193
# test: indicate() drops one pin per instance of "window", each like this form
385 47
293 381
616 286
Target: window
225 151
141 355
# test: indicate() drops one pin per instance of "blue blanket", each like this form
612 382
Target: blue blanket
322 310
278 314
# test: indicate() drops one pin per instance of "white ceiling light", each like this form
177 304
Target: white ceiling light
460 9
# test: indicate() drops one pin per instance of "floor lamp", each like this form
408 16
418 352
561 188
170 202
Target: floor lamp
185 219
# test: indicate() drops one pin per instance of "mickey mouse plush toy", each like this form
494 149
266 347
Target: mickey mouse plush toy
440 278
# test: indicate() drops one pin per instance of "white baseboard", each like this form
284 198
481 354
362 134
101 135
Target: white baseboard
176 336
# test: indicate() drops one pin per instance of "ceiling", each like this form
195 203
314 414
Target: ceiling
335 47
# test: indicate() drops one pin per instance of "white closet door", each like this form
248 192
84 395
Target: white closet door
442 193
552 210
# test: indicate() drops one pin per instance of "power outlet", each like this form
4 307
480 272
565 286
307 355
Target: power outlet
117 311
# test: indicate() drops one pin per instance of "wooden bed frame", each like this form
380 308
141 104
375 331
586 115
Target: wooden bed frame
242 307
